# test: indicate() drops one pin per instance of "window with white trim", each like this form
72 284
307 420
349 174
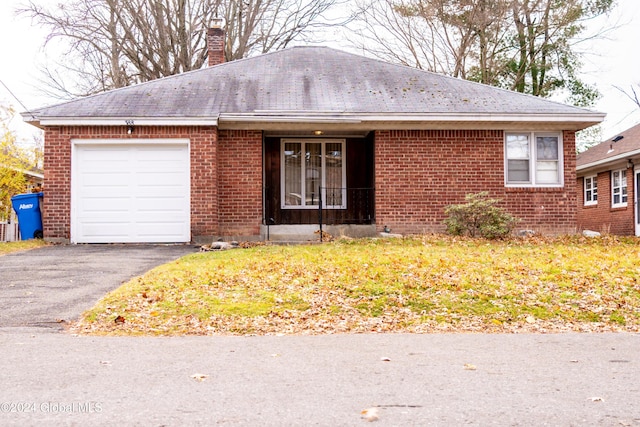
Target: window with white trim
591 190
533 159
619 188
313 170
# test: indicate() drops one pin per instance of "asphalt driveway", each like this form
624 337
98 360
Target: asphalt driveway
45 287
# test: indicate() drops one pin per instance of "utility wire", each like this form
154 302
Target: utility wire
16 98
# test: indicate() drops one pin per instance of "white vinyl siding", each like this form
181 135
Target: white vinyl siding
533 159
619 188
591 190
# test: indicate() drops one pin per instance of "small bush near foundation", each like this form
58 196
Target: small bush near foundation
479 217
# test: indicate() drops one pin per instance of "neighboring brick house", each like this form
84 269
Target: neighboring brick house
608 181
251 149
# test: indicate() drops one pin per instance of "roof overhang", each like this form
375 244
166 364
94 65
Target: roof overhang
311 120
401 121
31 173
34 174
607 163
119 121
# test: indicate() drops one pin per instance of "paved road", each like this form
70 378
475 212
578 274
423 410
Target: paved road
41 287
519 380
53 379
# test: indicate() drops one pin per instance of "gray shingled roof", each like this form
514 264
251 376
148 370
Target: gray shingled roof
610 151
306 80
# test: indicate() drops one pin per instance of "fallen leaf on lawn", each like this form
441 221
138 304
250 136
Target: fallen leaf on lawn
119 320
199 377
370 414
469 367
257 294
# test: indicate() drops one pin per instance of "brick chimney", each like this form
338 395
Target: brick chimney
215 43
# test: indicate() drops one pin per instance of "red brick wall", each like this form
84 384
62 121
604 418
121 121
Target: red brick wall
602 217
56 205
204 181
240 182
419 173
57 166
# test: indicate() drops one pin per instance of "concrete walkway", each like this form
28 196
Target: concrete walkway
52 378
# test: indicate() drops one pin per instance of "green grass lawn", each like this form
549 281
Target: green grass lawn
421 284
10 247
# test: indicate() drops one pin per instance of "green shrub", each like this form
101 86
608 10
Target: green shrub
479 217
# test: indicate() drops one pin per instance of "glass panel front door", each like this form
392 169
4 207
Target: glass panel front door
313 172
292 172
334 174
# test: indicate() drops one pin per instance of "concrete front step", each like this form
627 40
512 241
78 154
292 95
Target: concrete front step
311 233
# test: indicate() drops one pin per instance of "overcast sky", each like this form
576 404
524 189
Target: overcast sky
610 62
613 61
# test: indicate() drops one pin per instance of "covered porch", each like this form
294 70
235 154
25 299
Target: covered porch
318 182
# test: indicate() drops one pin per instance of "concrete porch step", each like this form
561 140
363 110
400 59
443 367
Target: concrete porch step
311 233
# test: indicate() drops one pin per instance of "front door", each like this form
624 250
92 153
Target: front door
308 180
636 201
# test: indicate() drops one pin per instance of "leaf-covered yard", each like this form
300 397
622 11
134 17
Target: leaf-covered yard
22 245
421 284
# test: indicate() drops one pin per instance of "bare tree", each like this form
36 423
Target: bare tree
633 93
404 31
448 36
522 45
107 44
261 26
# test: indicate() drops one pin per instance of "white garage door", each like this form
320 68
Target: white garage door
130 192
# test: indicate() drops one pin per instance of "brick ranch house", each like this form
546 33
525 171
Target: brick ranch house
608 182
252 149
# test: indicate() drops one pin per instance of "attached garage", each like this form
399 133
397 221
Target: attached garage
130 191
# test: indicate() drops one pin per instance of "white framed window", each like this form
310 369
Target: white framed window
533 159
313 170
591 190
619 188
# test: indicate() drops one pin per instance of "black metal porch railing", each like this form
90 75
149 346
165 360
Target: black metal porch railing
345 206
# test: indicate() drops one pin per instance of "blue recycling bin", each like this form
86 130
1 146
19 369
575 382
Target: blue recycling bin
27 207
